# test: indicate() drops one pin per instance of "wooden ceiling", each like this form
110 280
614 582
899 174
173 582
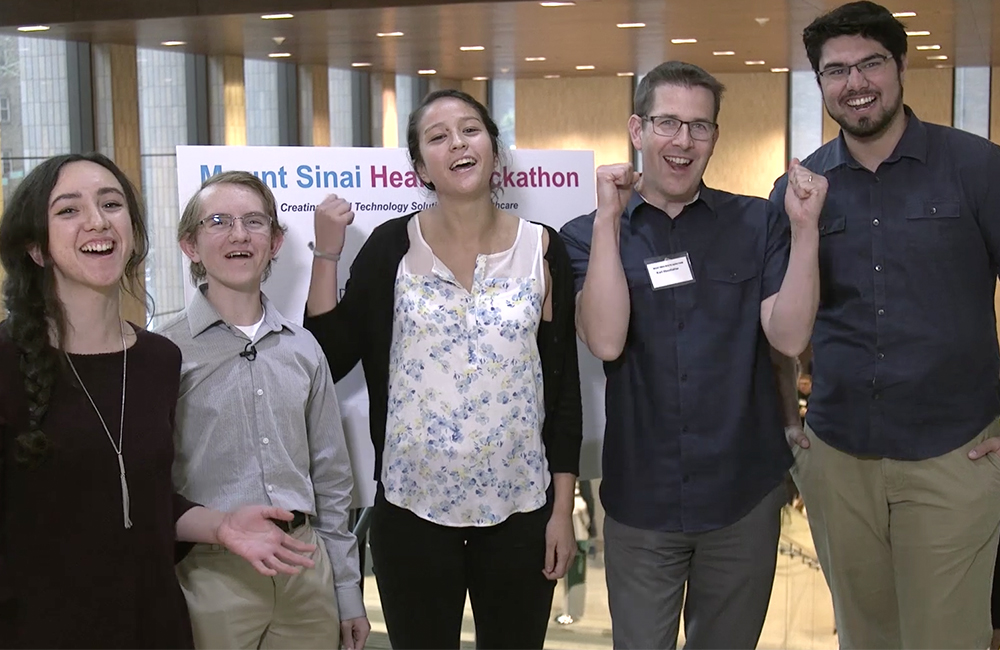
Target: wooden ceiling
967 31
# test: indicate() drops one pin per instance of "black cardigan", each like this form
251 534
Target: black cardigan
360 328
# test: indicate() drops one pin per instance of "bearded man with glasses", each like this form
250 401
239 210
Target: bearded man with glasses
682 290
898 469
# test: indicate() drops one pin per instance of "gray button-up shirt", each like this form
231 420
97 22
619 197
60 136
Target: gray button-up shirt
265 430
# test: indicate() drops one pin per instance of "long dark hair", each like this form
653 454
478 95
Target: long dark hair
413 136
29 290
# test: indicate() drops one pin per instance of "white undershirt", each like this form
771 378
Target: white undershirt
251 330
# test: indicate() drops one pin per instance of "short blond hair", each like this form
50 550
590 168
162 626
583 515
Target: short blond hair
187 228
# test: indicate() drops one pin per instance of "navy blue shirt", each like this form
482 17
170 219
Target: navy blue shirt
694 436
905 361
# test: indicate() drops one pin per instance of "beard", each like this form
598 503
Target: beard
870 125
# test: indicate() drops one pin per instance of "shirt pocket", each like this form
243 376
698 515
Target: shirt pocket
730 288
933 227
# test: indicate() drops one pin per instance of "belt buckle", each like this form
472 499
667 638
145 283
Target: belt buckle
298 520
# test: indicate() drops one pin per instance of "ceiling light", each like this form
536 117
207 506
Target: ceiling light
277 16
584 67
388 34
779 69
279 55
928 47
551 76
472 48
173 43
918 33
427 71
630 25
679 41
762 21
938 57
504 70
534 58
557 4
361 64
34 28
942 66
904 14
626 74
755 62
724 53
480 78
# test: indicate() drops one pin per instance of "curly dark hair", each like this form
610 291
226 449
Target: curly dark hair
29 290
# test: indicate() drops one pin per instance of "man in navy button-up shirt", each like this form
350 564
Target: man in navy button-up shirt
905 367
680 289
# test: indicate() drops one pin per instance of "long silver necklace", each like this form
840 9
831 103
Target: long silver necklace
121 424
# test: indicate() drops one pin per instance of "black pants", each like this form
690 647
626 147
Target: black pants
424 570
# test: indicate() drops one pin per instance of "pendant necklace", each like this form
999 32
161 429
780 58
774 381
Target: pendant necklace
121 424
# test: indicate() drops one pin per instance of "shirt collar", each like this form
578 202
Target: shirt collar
705 194
202 314
913 144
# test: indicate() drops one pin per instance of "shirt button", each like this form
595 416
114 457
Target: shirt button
266 440
260 391
874 222
933 210
680 325
684 428
270 488
881 312
878 267
876 395
881 356
686 478
684 377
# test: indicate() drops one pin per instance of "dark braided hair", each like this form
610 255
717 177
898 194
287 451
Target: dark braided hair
29 290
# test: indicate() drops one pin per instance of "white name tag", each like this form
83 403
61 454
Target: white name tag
670 270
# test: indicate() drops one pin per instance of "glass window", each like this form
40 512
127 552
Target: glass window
341 108
260 79
34 105
163 124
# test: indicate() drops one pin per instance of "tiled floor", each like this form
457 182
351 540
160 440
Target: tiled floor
800 616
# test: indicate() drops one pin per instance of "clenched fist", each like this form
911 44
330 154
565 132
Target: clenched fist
804 196
332 217
614 187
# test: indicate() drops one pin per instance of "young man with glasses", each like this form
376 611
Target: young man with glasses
682 290
258 423
900 483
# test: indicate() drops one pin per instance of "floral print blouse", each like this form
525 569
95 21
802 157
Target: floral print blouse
463 437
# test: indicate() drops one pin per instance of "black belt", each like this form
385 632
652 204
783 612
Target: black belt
299 520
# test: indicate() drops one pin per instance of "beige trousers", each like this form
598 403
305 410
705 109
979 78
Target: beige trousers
907 547
233 606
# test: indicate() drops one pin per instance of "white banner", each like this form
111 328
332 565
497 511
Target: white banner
550 187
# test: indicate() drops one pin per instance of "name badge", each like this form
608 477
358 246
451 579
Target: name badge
670 270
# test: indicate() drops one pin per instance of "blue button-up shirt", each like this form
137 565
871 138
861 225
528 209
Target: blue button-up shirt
905 361
694 436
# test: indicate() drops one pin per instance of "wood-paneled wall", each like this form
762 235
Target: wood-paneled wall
234 98
125 110
581 113
753 127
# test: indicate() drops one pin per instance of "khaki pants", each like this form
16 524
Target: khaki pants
907 547
233 606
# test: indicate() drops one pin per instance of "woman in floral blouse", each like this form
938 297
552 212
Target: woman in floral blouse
462 316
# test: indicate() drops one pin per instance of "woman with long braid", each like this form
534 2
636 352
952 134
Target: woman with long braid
88 513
